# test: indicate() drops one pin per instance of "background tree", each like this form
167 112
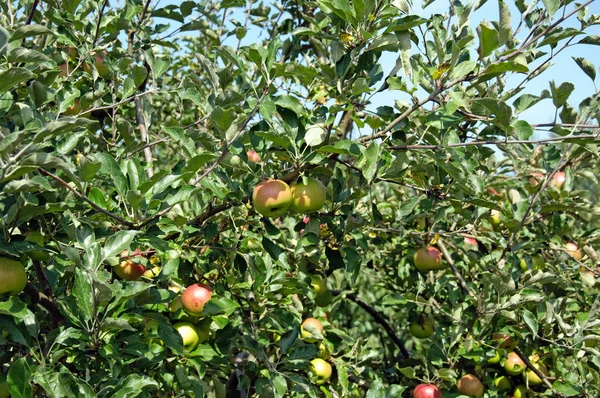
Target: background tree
133 135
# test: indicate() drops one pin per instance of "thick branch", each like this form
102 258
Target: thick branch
31 14
43 300
85 199
41 276
532 367
378 318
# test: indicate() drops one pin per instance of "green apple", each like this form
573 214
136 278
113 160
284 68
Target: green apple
514 365
195 297
272 198
311 330
308 196
321 370
423 328
319 284
470 385
128 269
502 383
13 277
495 359
176 304
189 334
538 262
520 392
573 251
534 380
523 265
152 273
428 258
495 217
324 352
4 392
504 341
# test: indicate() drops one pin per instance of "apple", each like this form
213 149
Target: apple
308 197
194 298
4 392
558 179
534 380
309 329
423 328
502 383
421 224
272 198
324 352
536 178
495 217
128 269
520 392
176 304
321 369
13 277
514 365
573 250
74 109
152 273
471 242
523 265
470 385
319 284
64 70
427 391
99 64
538 262
253 156
428 258
504 341
188 333
495 359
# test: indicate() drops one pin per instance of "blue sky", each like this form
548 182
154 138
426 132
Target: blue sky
565 69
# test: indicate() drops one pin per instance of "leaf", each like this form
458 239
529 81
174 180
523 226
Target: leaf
111 168
291 103
116 243
586 66
488 40
61 383
30 31
82 291
523 129
4 38
13 77
406 23
26 56
489 106
133 386
552 6
505 23
60 127
181 137
116 324
567 389
591 39
369 161
561 94
18 378
315 135
531 321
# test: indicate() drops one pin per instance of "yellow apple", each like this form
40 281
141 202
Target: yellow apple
308 196
321 370
311 330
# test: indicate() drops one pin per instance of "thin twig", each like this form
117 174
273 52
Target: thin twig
378 318
532 367
461 280
85 199
100 15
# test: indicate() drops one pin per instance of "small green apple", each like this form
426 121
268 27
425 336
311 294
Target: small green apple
423 328
4 392
324 352
495 359
533 379
538 262
319 284
272 198
13 277
520 392
321 370
308 197
311 330
502 383
189 334
495 217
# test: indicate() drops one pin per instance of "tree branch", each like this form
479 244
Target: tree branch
532 367
43 300
41 276
378 318
85 199
461 280
32 12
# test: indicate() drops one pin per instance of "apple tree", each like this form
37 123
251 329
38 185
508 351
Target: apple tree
300 198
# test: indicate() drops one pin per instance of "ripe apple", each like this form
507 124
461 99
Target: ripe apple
319 284
152 273
311 329
502 383
13 277
471 242
559 179
423 328
428 258
272 198
321 369
189 334
427 391
128 269
520 392
194 298
308 197
532 378
504 341
253 156
470 385
514 365
573 251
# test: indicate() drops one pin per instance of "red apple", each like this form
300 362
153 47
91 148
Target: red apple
559 179
194 297
427 391
253 156
514 365
128 269
573 251
470 241
428 258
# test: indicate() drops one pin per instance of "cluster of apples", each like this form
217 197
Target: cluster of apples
130 270
311 331
192 301
272 198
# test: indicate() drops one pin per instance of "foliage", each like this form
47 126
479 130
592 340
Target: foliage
127 126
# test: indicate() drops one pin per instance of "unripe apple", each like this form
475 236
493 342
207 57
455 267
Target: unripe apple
308 197
538 262
194 298
470 385
504 341
99 64
128 269
559 179
495 217
319 284
428 258
272 198
321 370
573 251
253 156
152 273
520 392
502 383
176 304
423 328
514 365
311 329
188 333
427 391
324 352
4 392
13 277
495 359
532 378
74 109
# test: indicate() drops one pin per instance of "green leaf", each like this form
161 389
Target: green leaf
566 388
488 40
369 160
27 56
181 137
30 31
406 23
12 77
157 64
489 107
82 291
561 94
552 6
591 39
505 23
523 129
133 386
60 127
586 66
531 321
111 168
61 382
222 118
18 378
116 243
139 74
291 103
4 38
558 34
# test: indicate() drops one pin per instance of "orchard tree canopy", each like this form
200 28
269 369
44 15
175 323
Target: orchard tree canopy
426 222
